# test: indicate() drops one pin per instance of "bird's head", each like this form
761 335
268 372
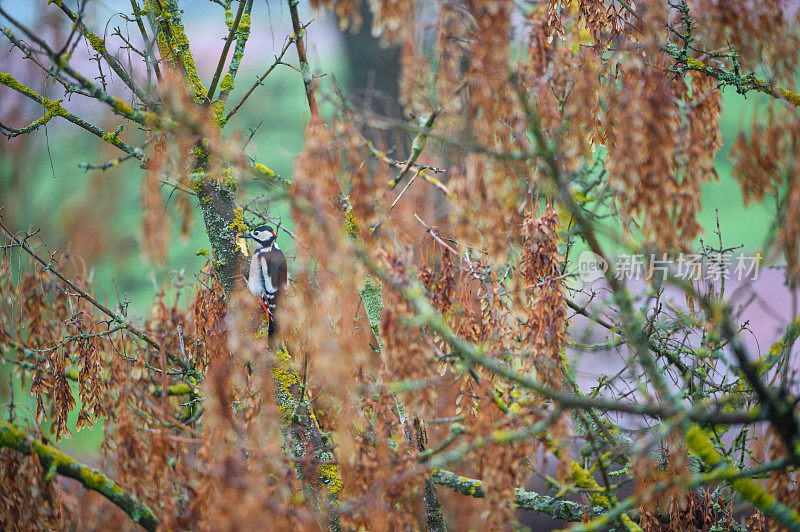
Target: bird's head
262 234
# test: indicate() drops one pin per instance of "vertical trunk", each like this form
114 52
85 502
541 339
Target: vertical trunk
219 213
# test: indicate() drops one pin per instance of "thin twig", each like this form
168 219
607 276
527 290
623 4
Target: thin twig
435 236
278 61
426 124
308 81
224 55
108 312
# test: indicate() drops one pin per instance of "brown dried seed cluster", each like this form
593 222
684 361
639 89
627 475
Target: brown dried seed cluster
535 108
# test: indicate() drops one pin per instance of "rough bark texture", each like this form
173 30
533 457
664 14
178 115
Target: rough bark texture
216 203
529 500
309 447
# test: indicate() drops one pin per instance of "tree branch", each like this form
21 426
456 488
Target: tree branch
278 60
224 55
414 294
53 108
743 84
308 81
54 460
108 312
528 500
99 46
318 469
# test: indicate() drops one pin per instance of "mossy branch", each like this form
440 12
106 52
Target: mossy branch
305 70
181 388
701 445
242 31
266 173
92 89
165 15
372 297
53 460
303 434
743 84
99 46
212 88
528 500
420 141
54 108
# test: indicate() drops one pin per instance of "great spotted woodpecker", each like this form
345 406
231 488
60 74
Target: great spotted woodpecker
267 280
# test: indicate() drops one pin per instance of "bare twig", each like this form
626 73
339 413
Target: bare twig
278 61
305 70
48 265
224 55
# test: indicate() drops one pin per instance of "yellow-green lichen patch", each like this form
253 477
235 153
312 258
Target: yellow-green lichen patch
97 43
286 379
694 63
227 83
793 97
244 23
472 485
229 178
96 480
181 388
112 137
163 48
352 223
52 107
700 444
9 81
122 106
177 47
238 224
584 479
629 523
330 476
263 169
218 112
200 152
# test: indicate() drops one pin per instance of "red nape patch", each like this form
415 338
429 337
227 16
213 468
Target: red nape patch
265 307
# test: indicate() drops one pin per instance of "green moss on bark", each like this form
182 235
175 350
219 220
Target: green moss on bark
53 459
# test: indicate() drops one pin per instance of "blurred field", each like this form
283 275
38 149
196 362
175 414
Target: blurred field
739 224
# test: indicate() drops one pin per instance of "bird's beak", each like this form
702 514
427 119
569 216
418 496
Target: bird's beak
247 235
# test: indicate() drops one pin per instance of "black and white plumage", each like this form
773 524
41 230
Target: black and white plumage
268 278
